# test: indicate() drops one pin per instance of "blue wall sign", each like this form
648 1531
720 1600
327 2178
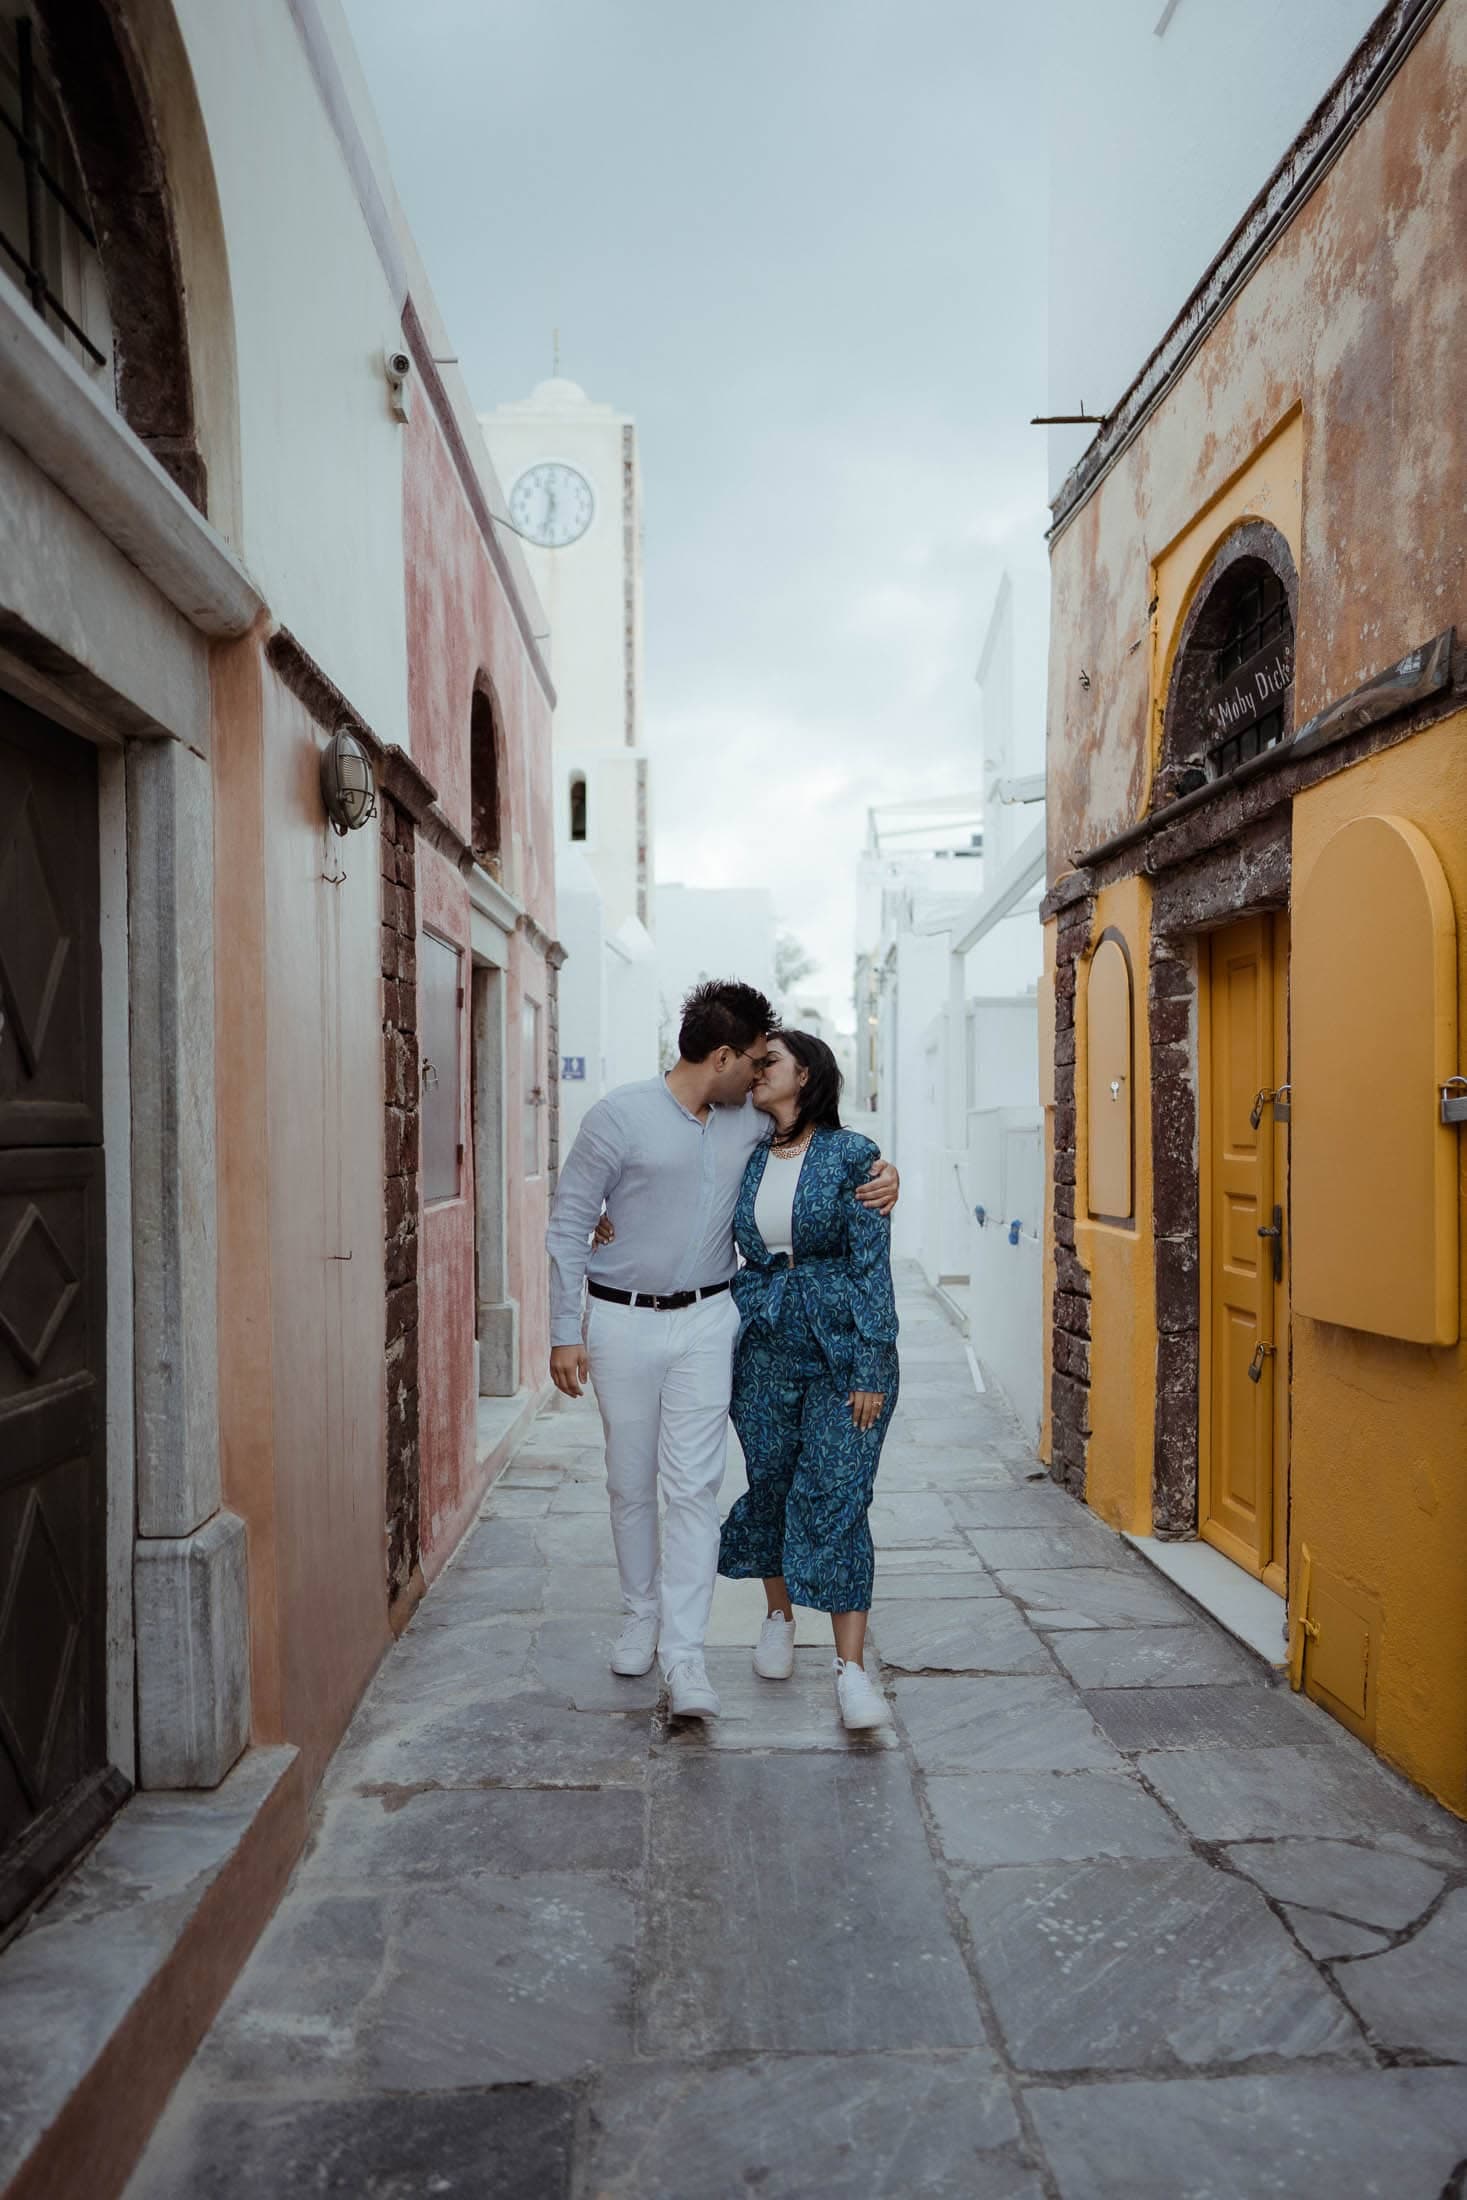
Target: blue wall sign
572 1069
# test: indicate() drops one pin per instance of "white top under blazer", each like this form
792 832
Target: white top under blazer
774 1209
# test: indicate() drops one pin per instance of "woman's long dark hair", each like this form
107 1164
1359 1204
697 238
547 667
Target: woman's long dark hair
819 1101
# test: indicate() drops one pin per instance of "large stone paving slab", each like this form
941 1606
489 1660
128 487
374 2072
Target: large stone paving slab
1375 1886
516 1503
949 1636
799 1714
1127 1595
952 1469
480 1593
493 1542
1145 1966
507 2143
1334 1789
1000 1725
489 1654
572 1539
1255 1715
527 1740
1021 1505
915 1584
439 1834
1415 1996
594 1592
571 1662
793 1903
1047 1817
1152 1657
484 1981
1079 1541
1369 2135
902 1518
851 2127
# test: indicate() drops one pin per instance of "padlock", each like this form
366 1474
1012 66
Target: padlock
1454 1100
1255 1365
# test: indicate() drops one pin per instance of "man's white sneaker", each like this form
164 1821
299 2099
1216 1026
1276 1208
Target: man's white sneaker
635 1647
861 1705
774 1653
690 1692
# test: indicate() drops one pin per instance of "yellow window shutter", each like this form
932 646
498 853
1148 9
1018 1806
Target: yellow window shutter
1373 1023
1110 1081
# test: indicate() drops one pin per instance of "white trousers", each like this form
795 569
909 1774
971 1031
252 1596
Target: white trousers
662 1381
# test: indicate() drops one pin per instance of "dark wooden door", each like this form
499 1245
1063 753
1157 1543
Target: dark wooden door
55 1783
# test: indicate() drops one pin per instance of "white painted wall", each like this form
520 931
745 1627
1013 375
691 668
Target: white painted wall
321 456
1002 1171
711 932
587 588
1161 135
608 995
957 1083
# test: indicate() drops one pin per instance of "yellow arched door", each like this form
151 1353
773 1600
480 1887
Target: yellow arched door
1243 1479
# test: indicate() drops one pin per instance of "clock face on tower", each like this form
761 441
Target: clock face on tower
552 504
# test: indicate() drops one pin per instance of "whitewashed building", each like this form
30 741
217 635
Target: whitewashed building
573 484
947 1012
710 932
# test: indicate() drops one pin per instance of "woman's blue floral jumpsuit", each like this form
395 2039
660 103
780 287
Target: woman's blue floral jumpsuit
814 1328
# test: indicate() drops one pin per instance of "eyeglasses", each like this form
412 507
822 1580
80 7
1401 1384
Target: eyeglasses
756 1061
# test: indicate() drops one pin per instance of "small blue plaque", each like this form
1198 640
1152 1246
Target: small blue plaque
572 1069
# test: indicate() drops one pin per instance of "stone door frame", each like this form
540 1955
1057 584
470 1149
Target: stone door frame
1248 876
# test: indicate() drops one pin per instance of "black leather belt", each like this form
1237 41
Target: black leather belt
666 1302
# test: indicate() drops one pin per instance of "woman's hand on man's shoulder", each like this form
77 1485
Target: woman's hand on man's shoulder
876 1182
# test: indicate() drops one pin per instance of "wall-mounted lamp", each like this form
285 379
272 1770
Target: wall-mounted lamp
347 786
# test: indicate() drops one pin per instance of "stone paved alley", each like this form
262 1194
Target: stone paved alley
1109 1914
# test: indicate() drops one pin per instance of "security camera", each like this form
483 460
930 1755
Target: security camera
398 367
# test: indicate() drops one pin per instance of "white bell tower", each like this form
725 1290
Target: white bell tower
573 487
571 476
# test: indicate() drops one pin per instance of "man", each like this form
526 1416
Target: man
666 1159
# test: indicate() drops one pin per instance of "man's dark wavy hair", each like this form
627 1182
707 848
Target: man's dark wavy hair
819 1102
723 1013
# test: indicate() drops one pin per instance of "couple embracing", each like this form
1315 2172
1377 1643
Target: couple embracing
739 1145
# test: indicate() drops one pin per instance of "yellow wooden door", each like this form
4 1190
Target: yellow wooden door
1243 1490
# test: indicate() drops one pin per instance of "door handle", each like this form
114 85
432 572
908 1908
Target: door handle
1275 1230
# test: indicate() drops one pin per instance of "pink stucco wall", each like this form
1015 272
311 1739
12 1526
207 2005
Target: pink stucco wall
461 635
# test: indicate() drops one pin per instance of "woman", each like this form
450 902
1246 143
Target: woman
815 1370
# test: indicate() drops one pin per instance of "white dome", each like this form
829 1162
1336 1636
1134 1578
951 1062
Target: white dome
557 392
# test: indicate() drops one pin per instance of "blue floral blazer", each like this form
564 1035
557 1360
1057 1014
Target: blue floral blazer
842 1261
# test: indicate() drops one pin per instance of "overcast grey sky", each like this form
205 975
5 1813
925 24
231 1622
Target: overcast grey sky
802 242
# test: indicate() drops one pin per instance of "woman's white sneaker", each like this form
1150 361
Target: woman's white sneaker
861 1705
635 1647
690 1693
774 1653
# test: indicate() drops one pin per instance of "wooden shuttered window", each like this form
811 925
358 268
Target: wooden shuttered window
1373 1008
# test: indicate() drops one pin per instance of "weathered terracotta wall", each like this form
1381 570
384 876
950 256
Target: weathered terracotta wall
462 635
447 1400
299 1012
1355 316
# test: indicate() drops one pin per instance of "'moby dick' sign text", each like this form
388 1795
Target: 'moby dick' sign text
1253 690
